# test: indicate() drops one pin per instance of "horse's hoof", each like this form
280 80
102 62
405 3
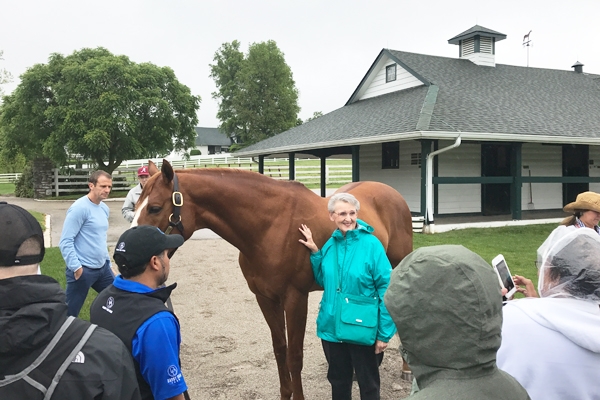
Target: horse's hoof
407 376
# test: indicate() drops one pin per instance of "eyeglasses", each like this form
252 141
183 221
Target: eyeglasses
345 214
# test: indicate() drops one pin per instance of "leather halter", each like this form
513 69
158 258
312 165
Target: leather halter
175 217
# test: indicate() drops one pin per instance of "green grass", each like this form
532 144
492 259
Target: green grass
41 218
54 266
7 188
518 244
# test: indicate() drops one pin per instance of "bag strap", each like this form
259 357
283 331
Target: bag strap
68 361
40 358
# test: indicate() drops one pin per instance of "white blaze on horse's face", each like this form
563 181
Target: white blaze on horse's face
138 212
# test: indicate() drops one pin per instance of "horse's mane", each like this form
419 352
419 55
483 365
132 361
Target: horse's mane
241 174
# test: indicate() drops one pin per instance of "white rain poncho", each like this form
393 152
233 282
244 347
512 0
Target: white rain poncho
569 262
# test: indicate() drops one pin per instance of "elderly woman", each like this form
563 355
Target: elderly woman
586 211
551 345
353 323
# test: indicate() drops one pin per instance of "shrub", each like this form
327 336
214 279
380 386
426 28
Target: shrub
195 152
24 185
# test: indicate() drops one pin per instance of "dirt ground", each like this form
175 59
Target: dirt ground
226 345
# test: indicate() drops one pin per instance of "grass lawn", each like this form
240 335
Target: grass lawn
517 244
54 265
7 188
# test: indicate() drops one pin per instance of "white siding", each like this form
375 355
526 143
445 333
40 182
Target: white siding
406 179
376 84
460 162
595 167
542 160
486 60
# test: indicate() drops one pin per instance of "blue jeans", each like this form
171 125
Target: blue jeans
77 290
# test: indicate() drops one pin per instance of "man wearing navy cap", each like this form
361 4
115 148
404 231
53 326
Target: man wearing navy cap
128 209
133 308
43 352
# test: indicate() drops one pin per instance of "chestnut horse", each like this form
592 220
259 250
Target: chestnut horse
260 216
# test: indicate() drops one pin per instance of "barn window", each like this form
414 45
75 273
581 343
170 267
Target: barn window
415 159
390 155
390 73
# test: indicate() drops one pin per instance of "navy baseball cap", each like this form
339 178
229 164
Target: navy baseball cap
16 226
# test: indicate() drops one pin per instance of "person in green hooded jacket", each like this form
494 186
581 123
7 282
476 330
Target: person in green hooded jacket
352 261
446 303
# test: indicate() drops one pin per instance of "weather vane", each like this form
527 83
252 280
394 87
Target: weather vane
527 43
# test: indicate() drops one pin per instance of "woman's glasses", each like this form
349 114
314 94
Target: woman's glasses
345 214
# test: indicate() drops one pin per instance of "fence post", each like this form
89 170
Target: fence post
56 182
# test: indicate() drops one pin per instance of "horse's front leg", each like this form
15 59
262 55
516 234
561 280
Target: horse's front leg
296 307
273 313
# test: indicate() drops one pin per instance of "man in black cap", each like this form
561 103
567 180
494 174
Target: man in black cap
133 308
43 352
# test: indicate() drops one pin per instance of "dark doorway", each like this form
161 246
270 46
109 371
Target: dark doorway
575 160
495 161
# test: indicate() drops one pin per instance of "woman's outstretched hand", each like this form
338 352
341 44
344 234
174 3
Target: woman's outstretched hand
305 230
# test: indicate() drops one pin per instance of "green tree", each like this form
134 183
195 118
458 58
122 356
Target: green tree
100 106
315 115
256 92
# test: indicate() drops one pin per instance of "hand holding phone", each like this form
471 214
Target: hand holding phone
504 276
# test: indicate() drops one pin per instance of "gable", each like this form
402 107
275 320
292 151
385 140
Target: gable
376 84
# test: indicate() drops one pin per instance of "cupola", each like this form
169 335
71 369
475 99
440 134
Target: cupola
478 44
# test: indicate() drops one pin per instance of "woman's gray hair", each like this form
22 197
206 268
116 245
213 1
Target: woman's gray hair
343 197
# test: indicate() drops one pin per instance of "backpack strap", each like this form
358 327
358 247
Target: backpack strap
36 363
68 361
25 374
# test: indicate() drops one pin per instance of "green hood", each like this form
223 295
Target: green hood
447 306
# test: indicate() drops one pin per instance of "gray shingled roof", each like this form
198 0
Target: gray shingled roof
211 137
485 101
477 30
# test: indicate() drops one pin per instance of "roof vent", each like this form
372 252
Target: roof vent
478 44
578 67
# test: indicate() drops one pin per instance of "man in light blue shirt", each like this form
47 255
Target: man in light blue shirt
83 243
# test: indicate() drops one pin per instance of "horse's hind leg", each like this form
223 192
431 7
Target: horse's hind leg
273 313
296 304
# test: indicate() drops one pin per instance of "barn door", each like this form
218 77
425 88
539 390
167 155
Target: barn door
495 161
575 160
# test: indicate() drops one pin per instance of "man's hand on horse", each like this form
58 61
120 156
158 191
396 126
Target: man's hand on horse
380 346
305 230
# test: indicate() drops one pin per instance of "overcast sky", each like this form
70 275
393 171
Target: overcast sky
329 45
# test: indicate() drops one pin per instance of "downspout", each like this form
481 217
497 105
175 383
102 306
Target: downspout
429 223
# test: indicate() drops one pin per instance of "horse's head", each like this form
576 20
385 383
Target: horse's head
162 203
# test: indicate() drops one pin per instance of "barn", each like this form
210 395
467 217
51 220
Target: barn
462 136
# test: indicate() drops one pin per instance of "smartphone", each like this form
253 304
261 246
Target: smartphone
504 276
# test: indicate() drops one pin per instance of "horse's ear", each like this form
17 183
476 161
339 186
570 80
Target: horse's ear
167 171
152 168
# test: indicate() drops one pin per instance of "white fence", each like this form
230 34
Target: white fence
9 178
125 176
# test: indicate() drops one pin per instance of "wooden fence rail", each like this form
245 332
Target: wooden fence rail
125 177
9 178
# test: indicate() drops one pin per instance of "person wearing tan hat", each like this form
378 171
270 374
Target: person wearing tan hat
128 209
585 210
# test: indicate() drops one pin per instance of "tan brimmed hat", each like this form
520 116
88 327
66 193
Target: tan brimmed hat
585 201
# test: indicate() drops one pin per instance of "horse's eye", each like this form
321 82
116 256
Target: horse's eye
154 210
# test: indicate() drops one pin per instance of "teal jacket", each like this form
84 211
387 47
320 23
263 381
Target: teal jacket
364 270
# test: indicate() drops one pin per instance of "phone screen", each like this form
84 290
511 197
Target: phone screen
505 275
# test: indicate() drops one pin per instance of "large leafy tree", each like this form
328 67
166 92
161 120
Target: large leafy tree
256 92
101 106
